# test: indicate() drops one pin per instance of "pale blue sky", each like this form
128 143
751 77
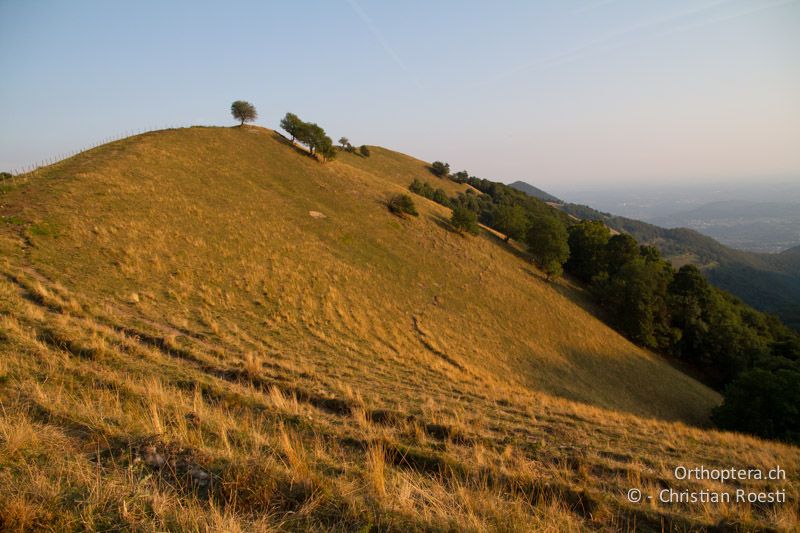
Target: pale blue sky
558 93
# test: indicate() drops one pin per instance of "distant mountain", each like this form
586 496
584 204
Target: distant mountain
768 282
792 252
754 226
788 260
536 192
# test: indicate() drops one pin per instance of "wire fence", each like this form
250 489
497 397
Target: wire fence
26 169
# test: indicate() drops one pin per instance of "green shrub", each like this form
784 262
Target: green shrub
440 169
437 195
402 205
464 220
364 150
421 188
440 197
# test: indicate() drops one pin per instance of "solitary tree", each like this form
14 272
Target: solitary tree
364 150
292 124
547 243
243 111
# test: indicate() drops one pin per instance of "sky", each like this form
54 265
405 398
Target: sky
562 94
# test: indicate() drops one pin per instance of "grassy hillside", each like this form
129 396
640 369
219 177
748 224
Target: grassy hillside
204 328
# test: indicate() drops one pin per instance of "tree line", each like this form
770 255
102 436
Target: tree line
310 134
751 357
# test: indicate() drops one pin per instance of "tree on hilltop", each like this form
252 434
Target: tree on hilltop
313 136
310 134
344 142
243 111
292 124
364 150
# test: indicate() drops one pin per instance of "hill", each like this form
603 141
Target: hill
536 192
766 227
768 282
206 329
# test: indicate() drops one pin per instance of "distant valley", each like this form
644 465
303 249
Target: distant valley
767 227
736 243
759 217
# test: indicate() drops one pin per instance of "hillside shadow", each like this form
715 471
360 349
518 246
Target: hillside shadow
283 140
570 290
654 379
443 223
508 247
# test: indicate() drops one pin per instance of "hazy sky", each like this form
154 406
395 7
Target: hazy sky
559 93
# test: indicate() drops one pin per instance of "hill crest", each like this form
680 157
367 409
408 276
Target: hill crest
536 192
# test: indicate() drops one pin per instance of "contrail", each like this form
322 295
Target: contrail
383 42
723 18
593 5
609 41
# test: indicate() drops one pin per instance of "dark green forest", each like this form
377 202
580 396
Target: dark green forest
768 282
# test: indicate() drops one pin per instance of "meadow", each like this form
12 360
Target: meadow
205 329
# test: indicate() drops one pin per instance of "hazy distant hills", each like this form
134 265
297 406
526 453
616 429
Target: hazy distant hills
754 226
768 281
536 192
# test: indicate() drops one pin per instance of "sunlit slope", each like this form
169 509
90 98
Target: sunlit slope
211 230
205 330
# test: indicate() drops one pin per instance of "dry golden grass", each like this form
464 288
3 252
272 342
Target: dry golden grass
280 371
